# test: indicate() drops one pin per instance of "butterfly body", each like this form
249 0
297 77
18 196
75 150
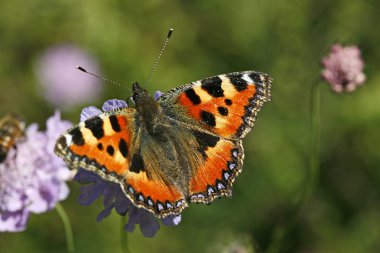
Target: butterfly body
185 147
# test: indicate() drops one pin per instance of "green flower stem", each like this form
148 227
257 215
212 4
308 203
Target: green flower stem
313 174
124 236
315 145
68 229
282 230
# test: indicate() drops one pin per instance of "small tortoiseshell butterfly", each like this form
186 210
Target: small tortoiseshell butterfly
12 129
185 147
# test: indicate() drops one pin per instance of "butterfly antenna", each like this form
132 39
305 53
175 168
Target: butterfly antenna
99 77
159 56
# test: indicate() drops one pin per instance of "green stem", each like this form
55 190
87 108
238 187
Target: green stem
281 231
124 235
315 108
68 229
312 178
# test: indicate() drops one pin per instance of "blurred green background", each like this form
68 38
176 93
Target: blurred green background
286 39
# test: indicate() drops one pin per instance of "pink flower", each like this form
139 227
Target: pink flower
32 177
63 84
343 68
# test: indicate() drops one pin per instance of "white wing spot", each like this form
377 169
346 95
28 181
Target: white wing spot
220 186
69 139
247 78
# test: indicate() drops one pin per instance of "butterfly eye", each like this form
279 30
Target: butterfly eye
135 97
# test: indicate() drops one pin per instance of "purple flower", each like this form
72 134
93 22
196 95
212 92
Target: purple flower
63 84
113 196
343 68
32 178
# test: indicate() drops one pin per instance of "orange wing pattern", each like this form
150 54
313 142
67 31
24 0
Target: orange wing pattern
214 178
104 140
104 145
225 105
155 195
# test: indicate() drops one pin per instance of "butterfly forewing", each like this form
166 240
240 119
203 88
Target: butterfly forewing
225 105
108 145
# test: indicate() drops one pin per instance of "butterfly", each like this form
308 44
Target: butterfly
185 147
12 129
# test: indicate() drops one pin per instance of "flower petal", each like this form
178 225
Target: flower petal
89 112
148 224
343 68
134 216
86 177
105 213
157 94
113 104
14 221
65 86
90 193
32 177
172 220
109 193
122 203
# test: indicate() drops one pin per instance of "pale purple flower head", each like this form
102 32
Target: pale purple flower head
64 85
113 196
343 68
32 177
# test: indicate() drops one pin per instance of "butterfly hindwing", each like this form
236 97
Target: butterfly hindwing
225 105
154 195
223 160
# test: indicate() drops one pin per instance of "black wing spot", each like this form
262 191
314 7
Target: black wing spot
95 124
194 98
208 118
137 164
100 146
77 136
223 111
205 140
115 123
61 142
228 101
239 83
123 147
110 150
213 86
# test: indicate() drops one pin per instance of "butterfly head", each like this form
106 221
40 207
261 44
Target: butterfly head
140 95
